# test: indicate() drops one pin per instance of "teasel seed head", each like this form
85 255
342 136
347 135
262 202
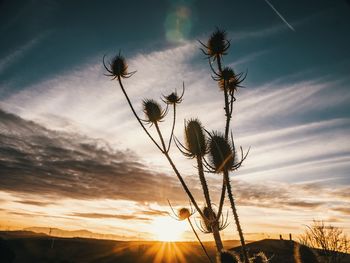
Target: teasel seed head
153 111
196 143
183 213
217 44
221 153
117 67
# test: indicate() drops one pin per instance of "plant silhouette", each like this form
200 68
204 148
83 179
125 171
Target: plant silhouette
216 47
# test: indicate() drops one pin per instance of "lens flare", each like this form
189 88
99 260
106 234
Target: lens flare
178 23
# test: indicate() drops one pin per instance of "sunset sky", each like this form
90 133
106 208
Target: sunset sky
73 157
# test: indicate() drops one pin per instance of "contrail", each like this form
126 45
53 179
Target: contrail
278 13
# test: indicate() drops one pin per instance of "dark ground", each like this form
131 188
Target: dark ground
18 247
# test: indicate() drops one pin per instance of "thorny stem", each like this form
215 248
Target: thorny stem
136 116
228 113
212 220
160 136
234 211
223 190
222 198
184 184
200 242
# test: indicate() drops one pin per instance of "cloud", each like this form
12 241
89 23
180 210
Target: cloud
113 216
34 202
344 210
38 161
153 212
291 197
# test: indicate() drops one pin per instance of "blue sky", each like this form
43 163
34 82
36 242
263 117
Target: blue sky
294 111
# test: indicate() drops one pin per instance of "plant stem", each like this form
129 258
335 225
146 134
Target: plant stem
172 129
223 189
222 197
212 219
228 113
135 114
184 186
234 211
200 242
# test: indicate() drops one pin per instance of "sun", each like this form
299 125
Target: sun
167 229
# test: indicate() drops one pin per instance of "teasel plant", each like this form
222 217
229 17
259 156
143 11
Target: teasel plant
154 114
228 81
185 214
196 144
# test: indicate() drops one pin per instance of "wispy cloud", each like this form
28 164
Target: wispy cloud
20 51
112 216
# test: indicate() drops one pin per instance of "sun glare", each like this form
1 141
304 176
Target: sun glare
168 229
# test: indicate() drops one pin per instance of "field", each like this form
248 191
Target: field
18 247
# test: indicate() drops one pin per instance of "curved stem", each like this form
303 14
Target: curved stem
222 197
160 136
135 114
234 211
200 242
184 186
172 129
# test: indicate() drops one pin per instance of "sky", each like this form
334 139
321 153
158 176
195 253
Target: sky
73 157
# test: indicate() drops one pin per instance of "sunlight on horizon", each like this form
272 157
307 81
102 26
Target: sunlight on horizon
168 229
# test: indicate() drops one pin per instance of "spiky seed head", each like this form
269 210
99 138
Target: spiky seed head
206 212
207 225
227 73
172 99
195 139
222 155
217 43
119 66
260 258
184 213
152 110
226 256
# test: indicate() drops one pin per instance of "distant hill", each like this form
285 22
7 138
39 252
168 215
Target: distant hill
279 251
72 233
32 247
